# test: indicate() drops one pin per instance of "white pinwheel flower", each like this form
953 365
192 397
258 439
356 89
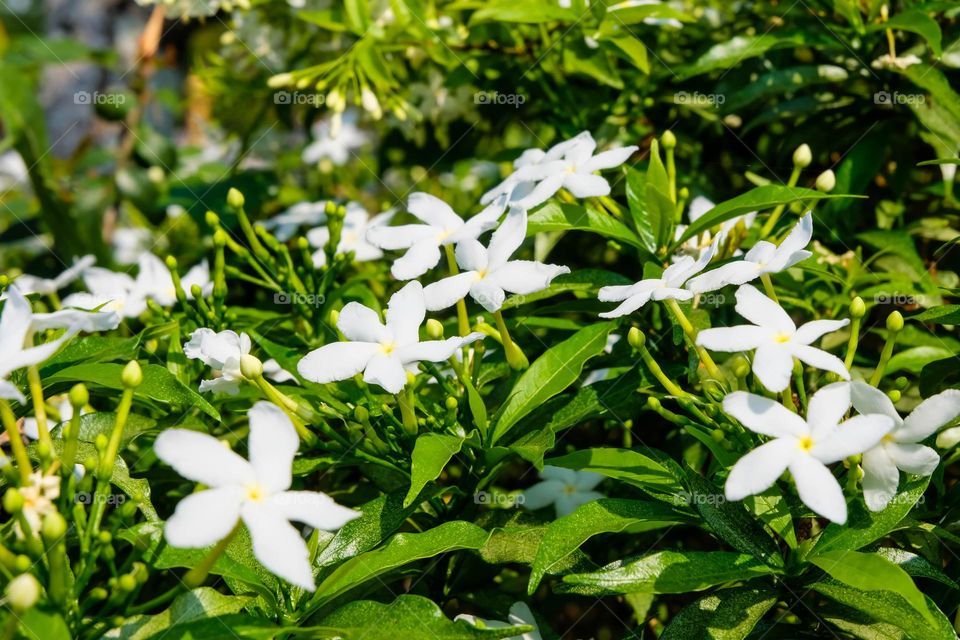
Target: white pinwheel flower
255 492
384 352
490 273
901 449
696 245
667 287
353 237
442 227
303 214
571 167
804 447
28 284
221 352
273 370
130 243
776 339
519 614
16 342
764 257
335 142
565 489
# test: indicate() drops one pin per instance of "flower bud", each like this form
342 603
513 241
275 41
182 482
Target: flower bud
361 413
652 402
668 140
54 527
101 441
98 593
132 375
451 403
894 395
858 308
212 219
635 338
279 80
79 396
12 501
826 181
235 199
105 537
250 366
23 592
219 238
334 317
718 435
948 438
434 329
802 157
127 583
895 321
901 383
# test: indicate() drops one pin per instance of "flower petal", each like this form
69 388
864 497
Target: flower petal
629 305
203 518
507 239
273 443
914 458
608 159
818 489
360 323
757 471
542 494
587 480
9 391
418 259
447 292
471 255
336 361
400 237
542 192
405 313
880 478
762 311
435 350
433 211
586 185
202 458
278 545
931 414
483 221
856 435
738 272
819 359
798 238
827 408
315 509
868 399
386 371
15 321
745 337
526 276
773 364
488 295
764 415
813 330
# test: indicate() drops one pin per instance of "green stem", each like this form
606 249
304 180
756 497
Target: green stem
853 342
296 411
691 334
778 211
39 412
198 575
884 358
658 373
463 320
16 442
768 287
408 411
515 357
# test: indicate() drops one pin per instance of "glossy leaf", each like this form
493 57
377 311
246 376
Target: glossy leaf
728 614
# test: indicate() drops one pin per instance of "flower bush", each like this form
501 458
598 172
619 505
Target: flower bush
420 320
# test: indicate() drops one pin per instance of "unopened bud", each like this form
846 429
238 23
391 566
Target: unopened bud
250 366
451 403
212 219
894 395
132 375
12 501
23 592
635 338
434 329
802 157
279 80
54 527
826 181
895 321
653 403
668 140
858 308
171 262
235 199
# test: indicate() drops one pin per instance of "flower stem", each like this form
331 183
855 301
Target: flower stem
297 412
768 287
407 411
16 442
638 341
778 211
40 413
894 326
691 334
463 320
515 357
198 575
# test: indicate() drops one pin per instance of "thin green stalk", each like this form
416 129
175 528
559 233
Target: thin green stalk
16 442
768 287
463 320
691 334
515 357
39 412
894 325
198 575
408 411
771 222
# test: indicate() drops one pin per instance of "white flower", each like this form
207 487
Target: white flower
442 226
804 447
39 495
221 352
764 257
255 492
16 340
569 165
13 171
383 352
32 284
776 338
901 448
899 63
668 286
129 243
566 489
489 272
273 370
303 214
337 146
699 243
519 614
353 237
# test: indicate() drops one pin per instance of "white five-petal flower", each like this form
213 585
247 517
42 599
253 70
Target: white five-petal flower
335 139
490 273
33 284
255 491
901 449
384 352
764 257
353 237
668 286
442 226
519 614
696 245
303 214
776 339
804 447
221 352
568 165
565 489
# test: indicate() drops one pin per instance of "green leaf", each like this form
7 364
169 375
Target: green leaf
669 572
889 607
379 519
158 384
939 375
757 199
431 453
633 50
582 281
400 550
728 614
731 53
916 358
917 566
624 14
637 202
572 217
867 571
608 515
41 624
864 526
551 373
408 616
944 314
93 424
90 349
918 22
897 243
643 472
192 607
779 82
529 12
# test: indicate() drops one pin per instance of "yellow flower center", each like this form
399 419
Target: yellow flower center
388 348
782 337
887 438
255 493
806 443
569 489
